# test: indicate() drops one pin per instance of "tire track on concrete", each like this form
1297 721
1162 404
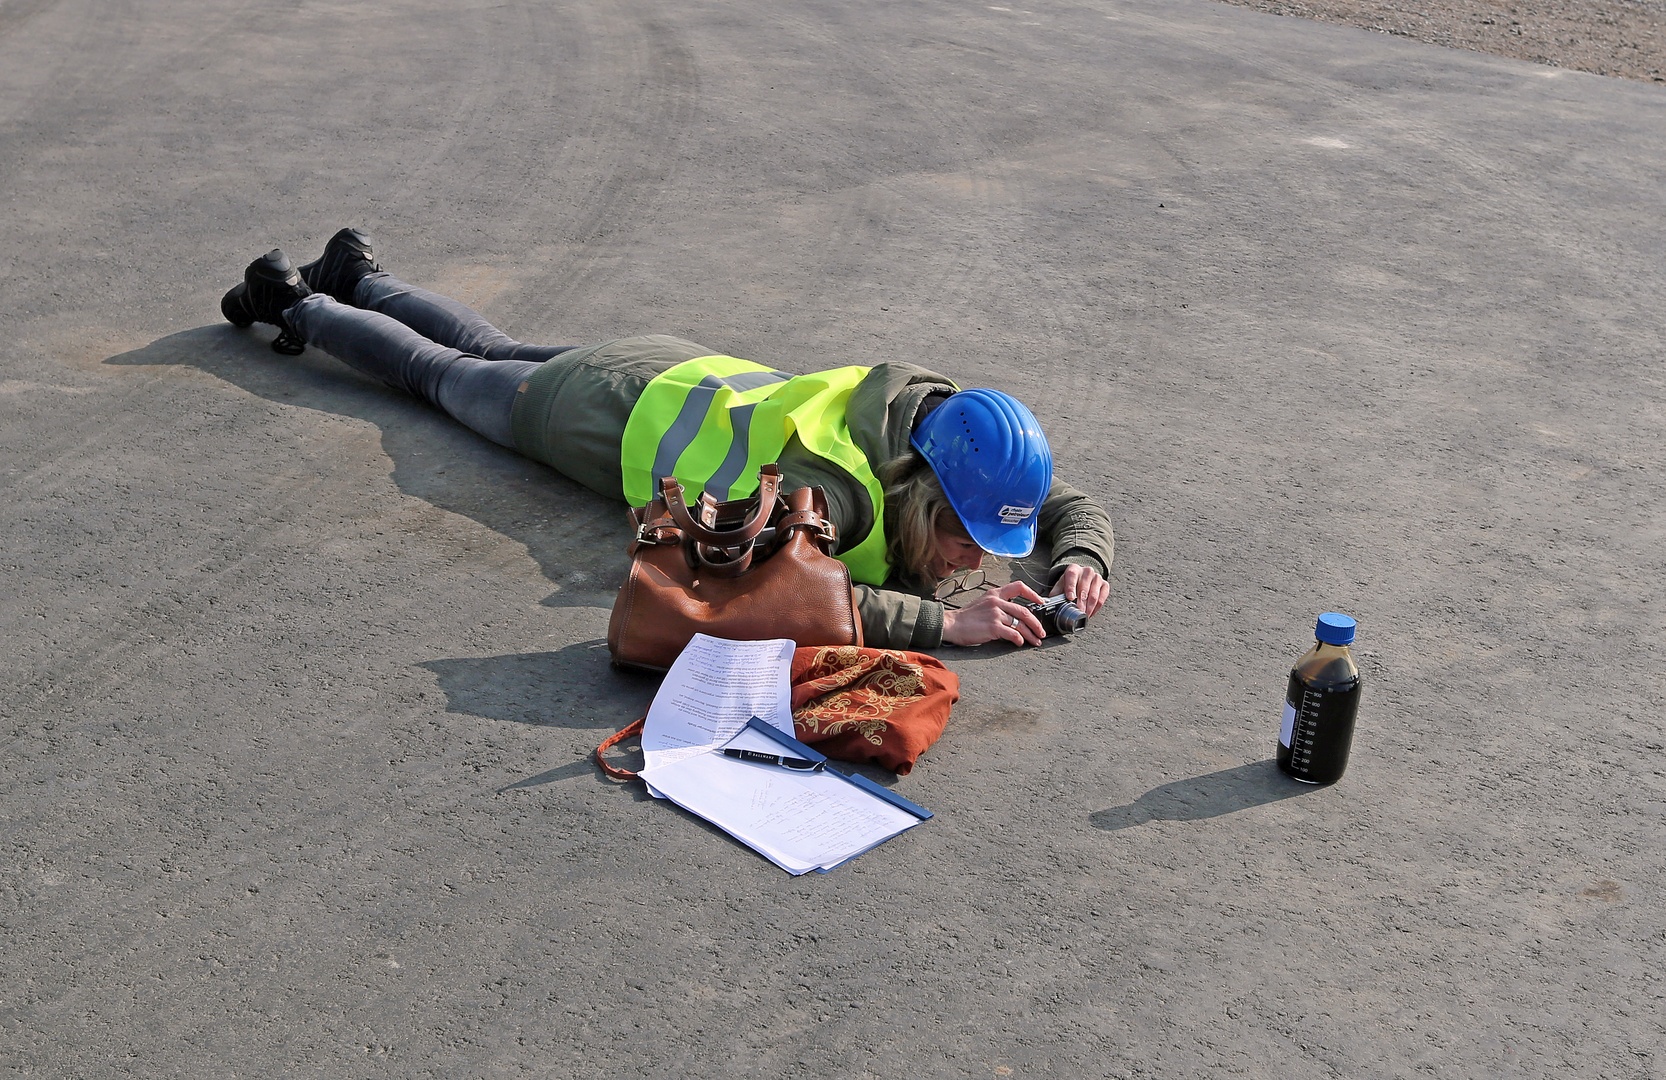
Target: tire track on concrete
1380 125
474 91
946 201
562 134
128 643
642 88
39 84
1506 196
14 14
227 566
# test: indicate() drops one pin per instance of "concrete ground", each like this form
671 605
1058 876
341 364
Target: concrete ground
301 677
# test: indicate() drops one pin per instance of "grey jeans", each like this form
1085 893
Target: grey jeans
429 346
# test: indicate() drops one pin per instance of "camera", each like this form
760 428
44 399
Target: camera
1058 616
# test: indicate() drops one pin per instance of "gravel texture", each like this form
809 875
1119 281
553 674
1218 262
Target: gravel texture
1608 37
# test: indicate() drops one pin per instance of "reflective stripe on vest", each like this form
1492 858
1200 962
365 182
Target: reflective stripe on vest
713 421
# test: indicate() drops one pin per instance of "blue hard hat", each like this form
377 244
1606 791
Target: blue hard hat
994 464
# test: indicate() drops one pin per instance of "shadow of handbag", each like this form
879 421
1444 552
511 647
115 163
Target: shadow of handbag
747 569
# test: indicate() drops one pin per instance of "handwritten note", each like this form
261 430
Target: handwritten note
800 821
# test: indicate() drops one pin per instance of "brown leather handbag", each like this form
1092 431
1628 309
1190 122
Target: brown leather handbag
747 569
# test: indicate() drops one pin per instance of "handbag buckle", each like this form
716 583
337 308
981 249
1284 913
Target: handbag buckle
658 532
819 526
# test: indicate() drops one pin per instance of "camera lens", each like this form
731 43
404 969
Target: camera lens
1069 618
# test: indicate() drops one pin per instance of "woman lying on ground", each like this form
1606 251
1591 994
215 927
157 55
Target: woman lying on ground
922 479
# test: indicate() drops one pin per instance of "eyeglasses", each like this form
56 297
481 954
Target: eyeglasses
950 587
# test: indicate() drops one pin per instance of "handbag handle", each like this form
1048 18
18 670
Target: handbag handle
635 728
719 562
769 489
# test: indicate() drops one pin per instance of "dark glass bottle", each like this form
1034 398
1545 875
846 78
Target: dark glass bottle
1320 705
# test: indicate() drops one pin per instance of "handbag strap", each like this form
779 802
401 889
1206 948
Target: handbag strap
634 728
769 489
822 529
651 524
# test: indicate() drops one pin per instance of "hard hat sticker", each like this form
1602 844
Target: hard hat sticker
1012 515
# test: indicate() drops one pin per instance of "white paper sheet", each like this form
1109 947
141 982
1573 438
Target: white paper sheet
800 821
712 690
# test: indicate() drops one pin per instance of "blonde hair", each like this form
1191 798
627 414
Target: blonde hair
915 509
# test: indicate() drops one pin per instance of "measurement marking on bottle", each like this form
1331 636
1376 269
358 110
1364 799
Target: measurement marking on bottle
1303 738
1313 718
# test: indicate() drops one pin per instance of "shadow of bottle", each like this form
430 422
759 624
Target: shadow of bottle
1202 797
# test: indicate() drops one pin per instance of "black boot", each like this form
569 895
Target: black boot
270 287
346 259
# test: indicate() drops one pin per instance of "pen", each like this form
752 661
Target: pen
801 764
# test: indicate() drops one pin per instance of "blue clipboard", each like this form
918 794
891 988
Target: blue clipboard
794 748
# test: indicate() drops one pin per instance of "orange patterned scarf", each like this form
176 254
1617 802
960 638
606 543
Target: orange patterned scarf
878 705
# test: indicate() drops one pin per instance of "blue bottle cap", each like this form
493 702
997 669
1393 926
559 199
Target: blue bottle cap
1335 628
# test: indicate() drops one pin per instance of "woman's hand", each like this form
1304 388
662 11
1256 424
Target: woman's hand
994 617
1083 586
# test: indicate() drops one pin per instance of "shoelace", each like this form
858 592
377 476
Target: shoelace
288 344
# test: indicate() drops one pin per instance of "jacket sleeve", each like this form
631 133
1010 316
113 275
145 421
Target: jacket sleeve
898 620
1077 529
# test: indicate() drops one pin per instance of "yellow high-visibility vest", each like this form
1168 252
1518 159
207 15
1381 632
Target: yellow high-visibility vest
713 421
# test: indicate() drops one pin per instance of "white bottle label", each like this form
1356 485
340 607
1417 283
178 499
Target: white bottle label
1289 729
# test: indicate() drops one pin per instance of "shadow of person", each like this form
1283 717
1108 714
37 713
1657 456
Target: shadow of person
989 650
587 692
594 696
1200 797
576 537
519 687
